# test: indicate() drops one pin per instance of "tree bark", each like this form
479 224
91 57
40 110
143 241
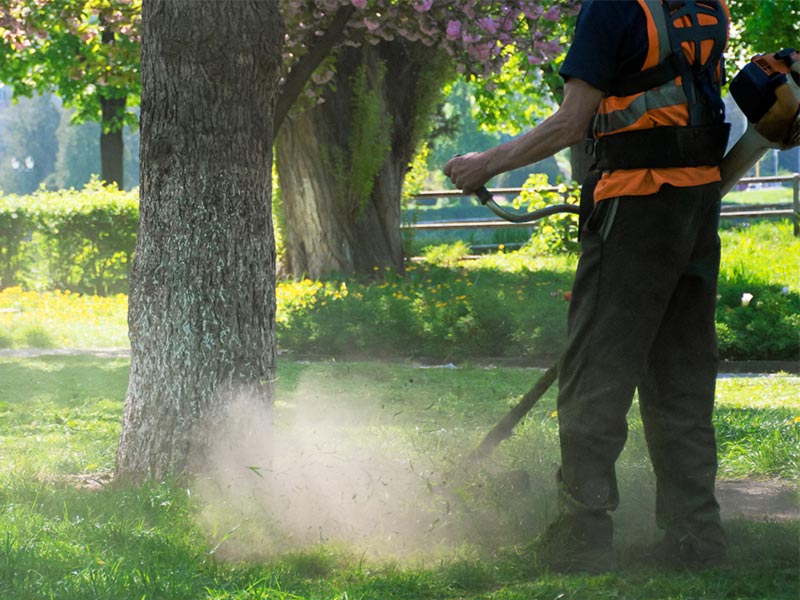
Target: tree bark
202 301
328 226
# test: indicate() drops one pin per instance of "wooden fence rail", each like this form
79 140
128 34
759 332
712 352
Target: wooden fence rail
728 211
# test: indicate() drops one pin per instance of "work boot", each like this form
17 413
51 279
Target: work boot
576 543
692 553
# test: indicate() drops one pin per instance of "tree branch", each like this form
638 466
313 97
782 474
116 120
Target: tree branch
307 64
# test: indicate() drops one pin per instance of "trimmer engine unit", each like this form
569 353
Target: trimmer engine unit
753 88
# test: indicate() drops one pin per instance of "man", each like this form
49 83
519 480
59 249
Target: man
646 76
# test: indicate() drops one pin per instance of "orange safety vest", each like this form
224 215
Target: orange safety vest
676 103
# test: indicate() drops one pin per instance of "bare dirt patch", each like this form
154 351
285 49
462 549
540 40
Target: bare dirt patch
759 499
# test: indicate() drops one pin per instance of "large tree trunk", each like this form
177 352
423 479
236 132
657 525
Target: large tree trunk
202 303
342 164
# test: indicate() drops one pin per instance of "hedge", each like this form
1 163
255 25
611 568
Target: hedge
78 240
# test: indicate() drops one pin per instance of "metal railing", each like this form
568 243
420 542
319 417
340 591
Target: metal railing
728 211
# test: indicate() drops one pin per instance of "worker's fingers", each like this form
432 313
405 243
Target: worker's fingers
466 171
448 168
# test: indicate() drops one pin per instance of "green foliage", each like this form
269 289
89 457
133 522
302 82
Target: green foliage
86 50
503 304
557 234
514 99
417 173
461 126
16 224
80 240
473 309
370 137
763 27
446 255
277 215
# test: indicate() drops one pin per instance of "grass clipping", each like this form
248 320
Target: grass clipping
332 472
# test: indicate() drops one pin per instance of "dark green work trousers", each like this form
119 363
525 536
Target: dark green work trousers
642 316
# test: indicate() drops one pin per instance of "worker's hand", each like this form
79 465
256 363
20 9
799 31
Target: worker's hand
467 171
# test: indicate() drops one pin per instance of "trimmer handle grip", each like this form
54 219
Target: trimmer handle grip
484 195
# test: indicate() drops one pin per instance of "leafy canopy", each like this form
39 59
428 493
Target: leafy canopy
89 49
85 50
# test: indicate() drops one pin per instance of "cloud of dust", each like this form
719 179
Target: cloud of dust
328 472
324 473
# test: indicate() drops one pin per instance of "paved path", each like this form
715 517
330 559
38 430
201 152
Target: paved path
727 368
759 500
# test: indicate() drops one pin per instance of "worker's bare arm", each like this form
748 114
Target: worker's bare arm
567 126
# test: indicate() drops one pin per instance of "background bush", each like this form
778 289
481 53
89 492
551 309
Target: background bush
81 241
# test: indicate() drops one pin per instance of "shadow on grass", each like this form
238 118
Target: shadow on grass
63 380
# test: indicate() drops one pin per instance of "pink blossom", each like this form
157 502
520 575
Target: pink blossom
453 30
488 24
359 3
553 14
532 12
423 5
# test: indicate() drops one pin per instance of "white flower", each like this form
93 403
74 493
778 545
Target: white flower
746 298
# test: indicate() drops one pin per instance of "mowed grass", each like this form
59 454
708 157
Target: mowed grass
60 538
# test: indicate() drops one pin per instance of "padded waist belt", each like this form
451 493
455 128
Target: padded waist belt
663 147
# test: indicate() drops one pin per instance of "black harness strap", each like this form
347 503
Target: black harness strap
699 74
663 147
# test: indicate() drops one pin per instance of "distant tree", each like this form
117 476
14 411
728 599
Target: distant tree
28 144
86 51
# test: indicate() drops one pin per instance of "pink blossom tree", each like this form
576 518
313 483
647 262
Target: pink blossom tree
344 150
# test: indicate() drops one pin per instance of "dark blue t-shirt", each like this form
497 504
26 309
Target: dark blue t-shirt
610 41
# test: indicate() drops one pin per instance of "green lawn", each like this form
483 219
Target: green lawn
767 195
368 495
